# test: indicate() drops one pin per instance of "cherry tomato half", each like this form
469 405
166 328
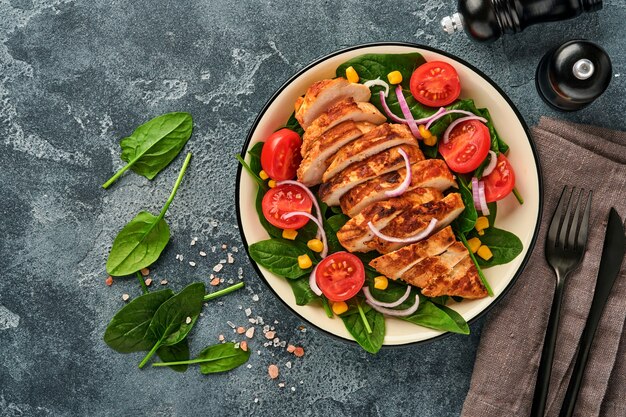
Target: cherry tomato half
285 199
280 157
467 147
340 276
501 181
435 84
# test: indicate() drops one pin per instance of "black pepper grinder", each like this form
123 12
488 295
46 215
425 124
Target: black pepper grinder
572 75
487 20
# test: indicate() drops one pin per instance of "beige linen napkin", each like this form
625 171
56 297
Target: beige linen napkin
510 348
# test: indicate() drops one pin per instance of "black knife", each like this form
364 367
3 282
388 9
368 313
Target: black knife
610 263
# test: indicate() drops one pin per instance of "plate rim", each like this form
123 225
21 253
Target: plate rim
318 61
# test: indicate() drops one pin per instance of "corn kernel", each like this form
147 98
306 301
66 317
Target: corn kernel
394 77
315 245
263 175
482 223
339 307
474 243
352 75
481 233
304 261
290 234
424 132
381 282
431 141
271 183
485 253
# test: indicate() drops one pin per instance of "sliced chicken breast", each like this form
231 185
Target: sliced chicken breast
319 156
339 112
323 94
375 141
463 281
395 264
381 163
414 220
424 271
433 173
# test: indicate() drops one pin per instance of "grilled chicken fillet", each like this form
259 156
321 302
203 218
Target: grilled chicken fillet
323 94
319 156
433 173
431 267
357 173
463 281
376 140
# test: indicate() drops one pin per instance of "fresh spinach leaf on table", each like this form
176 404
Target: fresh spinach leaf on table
175 353
504 246
216 358
371 342
154 144
142 240
281 257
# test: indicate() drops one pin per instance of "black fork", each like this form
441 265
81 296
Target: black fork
565 249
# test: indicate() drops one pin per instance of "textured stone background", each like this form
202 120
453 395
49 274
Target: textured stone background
76 76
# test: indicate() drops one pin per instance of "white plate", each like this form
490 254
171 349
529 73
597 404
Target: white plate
521 220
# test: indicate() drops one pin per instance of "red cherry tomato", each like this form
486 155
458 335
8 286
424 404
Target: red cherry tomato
340 276
501 181
280 157
285 199
467 147
435 84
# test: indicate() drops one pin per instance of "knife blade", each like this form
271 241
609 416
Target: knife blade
610 263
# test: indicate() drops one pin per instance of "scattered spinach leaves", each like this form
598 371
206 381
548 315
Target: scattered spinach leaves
216 358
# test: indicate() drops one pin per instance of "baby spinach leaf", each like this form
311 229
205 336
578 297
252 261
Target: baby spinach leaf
255 157
302 291
294 125
175 318
371 342
438 317
467 219
372 66
175 353
497 143
127 329
280 257
483 278
142 240
504 246
154 144
213 359
337 221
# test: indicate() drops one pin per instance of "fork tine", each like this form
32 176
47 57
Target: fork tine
561 241
581 242
573 231
557 218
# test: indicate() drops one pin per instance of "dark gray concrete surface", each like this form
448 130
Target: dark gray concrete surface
76 76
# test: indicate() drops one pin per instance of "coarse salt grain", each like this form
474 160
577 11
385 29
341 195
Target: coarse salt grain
218 268
203 254
220 338
243 345
250 333
163 282
215 281
248 312
109 280
272 370
291 348
192 263
145 272
125 297
222 261
281 385
270 335
230 258
293 389
255 297
288 364
188 320
234 249
213 248
148 281
253 321
224 246
249 366
299 352
231 324
241 330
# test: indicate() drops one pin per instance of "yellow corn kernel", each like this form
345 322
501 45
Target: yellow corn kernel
430 141
484 252
381 282
290 234
394 77
482 223
315 245
352 75
340 307
271 183
474 243
481 233
304 261
424 132
263 175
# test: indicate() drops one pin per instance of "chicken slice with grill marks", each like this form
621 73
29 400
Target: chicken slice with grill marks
323 94
463 281
339 112
375 141
357 173
414 220
355 232
319 156
433 173
431 267
395 264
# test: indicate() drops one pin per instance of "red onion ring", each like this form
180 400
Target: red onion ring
407 179
390 114
317 222
378 82
412 239
481 196
318 212
492 164
475 192
446 135
404 106
370 298
445 113
397 313
313 282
